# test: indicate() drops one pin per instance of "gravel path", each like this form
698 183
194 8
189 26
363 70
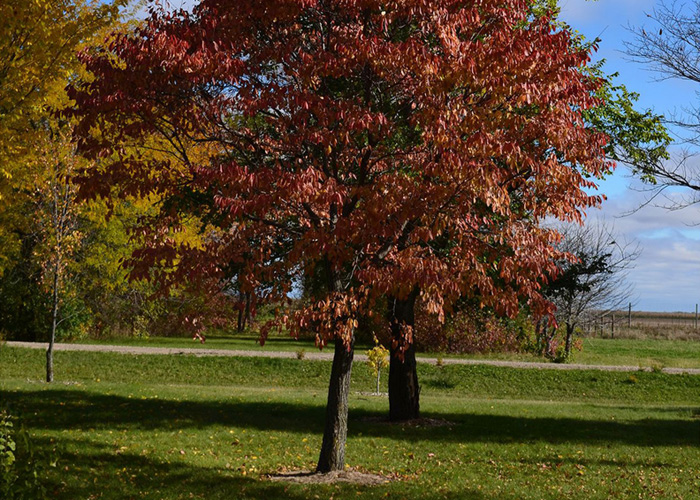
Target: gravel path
326 356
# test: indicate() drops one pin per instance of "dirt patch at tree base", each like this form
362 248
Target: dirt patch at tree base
346 476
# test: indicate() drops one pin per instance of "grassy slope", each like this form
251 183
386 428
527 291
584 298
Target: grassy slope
183 427
635 352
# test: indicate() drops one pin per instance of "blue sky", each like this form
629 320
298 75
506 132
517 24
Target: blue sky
667 274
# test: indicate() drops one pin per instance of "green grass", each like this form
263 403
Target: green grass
247 341
671 353
629 352
172 427
596 351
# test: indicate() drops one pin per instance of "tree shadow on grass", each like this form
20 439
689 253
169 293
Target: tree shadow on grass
96 471
60 409
63 409
506 429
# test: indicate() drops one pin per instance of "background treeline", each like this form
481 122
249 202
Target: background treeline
97 297
64 257
56 250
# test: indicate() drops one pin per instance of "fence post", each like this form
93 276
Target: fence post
696 316
612 325
629 316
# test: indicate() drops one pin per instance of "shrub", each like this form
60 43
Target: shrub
467 331
20 466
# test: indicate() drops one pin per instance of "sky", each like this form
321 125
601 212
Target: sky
666 276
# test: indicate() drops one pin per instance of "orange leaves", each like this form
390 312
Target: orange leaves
401 146
334 317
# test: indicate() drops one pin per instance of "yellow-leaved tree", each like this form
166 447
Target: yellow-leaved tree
39 41
39 45
60 256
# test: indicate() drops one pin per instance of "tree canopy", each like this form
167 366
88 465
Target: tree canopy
592 280
397 148
37 56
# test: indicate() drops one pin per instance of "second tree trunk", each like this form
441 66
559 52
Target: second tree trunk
404 391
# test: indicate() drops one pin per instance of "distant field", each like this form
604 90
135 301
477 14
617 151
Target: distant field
658 353
644 325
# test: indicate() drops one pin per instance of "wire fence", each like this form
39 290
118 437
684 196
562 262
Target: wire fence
639 324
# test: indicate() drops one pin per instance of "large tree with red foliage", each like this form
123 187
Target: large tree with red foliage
395 149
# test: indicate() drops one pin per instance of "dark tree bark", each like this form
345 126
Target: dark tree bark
332 456
404 391
241 318
243 312
335 432
569 339
247 316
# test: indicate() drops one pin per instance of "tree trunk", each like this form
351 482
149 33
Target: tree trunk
243 311
332 456
404 391
569 339
241 325
54 322
247 319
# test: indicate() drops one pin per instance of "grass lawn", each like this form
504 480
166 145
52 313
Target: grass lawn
178 427
247 341
644 352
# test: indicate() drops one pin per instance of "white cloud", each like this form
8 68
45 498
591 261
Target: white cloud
667 273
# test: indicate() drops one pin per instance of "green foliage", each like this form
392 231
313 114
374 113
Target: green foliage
25 310
21 467
96 298
638 139
7 447
99 300
541 8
